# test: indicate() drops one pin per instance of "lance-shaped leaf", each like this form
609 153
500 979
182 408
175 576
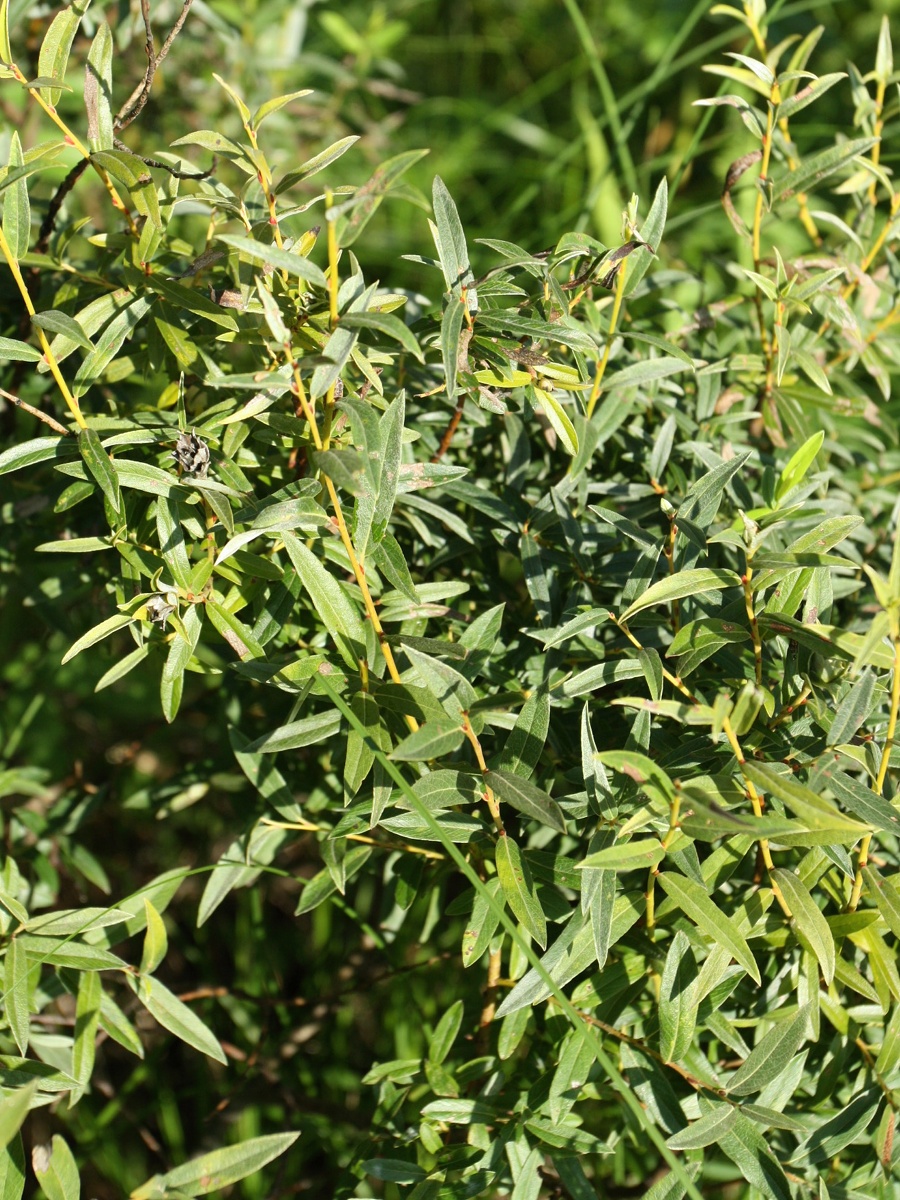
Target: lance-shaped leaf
451 243
173 1014
53 56
808 919
435 739
56 1170
218 1169
826 823
330 601
482 924
100 466
98 89
771 1055
685 583
518 888
525 796
699 908
16 205
16 986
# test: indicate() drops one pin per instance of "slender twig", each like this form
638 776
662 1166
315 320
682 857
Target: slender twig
55 205
452 426
746 580
756 805
163 166
141 94
863 859
610 336
35 412
71 401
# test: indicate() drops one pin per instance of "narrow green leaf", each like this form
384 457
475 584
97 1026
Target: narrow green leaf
275 104
706 1131
366 200
699 908
435 739
218 1169
172 542
53 56
5 48
518 888
523 795
677 1000
56 1170
559 419
800 462
808 919
14 1108
330 601
114 1022
441 1041
175 1016
684 583
16 988
16 204
273 256
886 896
482 924
451 333
523 747
69 953
306 732
627 856
451 243
156 940
12 350
181 651
651 232
97 634
747 1149
818 167
234 631
100 466
816 813
771 1055
98 89
312 165
87 1018
387 324
109 342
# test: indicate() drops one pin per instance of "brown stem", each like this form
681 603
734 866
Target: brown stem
35 412
134 105
452 425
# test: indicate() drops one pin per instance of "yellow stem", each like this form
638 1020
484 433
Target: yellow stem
311 827
71 402
754 624
489 796
74 140
876 132
882 775
667 675
264 178
356 567
611 333
333 315
756 805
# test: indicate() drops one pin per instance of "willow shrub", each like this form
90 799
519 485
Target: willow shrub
560 603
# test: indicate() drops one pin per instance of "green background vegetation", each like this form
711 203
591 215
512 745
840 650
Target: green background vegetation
541 118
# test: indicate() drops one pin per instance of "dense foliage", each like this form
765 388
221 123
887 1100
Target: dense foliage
449 703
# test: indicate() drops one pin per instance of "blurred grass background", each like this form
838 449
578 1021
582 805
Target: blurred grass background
541 116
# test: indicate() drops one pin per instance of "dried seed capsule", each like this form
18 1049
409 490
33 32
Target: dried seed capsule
159 610
192 455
